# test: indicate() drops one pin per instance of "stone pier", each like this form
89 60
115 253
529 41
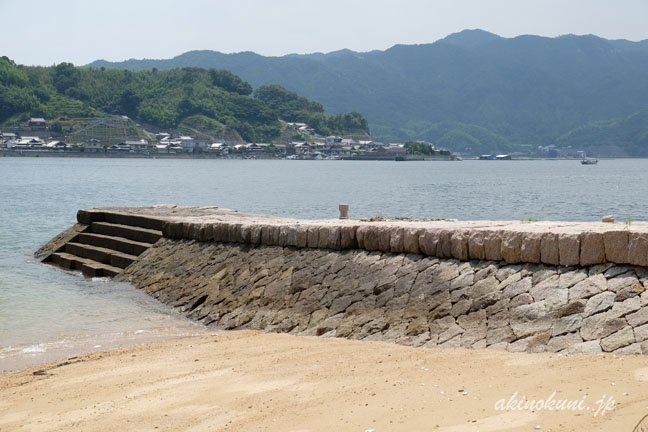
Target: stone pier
537 286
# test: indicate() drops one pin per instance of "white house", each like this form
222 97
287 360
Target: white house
219 148
7 136
56 145
37 123
191 144
28 143
162 148
332 140
187 142
137 145
92 146
301 147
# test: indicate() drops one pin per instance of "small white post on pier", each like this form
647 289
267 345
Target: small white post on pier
344 211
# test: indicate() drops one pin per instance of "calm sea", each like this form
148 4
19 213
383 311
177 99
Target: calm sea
44 309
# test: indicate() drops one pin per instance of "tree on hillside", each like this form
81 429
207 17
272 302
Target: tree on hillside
65 76
10 74
129 102
289 105
230 82
160 98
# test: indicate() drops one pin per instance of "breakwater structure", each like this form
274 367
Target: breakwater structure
537 286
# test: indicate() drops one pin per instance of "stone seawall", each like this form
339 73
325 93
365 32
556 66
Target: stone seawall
405 298
541 286
554 243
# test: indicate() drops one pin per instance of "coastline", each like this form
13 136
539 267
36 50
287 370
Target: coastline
96 155
83 155
554 286
15 359
247 380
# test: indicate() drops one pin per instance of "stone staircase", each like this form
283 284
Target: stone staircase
104 249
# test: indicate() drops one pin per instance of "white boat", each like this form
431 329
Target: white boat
588 161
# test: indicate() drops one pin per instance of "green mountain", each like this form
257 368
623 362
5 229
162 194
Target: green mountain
627 136
216 102
473 91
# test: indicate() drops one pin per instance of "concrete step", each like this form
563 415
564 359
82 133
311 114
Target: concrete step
88 267
138 234
120 244
133 220
100 254
86 217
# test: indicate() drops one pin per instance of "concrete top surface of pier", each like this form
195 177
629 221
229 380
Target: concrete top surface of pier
556 243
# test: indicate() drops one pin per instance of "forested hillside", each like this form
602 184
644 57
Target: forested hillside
162 98
471 92
627 136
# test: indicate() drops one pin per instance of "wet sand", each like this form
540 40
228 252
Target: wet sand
22 357
245 381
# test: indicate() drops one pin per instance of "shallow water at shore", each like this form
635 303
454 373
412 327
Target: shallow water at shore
13 359
41 306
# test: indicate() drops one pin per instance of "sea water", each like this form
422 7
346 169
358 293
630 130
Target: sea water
44 309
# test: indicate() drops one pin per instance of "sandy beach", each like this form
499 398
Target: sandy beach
245 380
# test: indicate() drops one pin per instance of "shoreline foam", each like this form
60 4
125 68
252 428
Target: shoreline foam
13 359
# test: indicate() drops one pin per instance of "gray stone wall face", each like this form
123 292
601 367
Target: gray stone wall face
407 298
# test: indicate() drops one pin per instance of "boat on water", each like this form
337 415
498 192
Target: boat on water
495 157
588 161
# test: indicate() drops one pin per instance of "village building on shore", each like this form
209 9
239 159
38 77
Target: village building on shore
102 136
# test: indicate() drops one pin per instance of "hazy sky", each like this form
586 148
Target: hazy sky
45 32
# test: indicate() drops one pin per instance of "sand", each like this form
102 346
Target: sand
252 381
